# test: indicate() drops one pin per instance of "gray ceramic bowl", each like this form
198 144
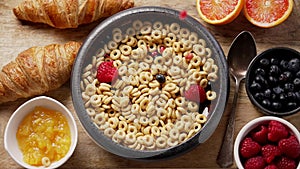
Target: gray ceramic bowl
278 90
102 34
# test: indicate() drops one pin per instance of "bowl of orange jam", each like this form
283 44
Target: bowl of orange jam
41 133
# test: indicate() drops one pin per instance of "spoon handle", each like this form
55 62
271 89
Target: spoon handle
225 156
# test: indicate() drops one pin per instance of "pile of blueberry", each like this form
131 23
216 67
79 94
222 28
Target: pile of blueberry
275 83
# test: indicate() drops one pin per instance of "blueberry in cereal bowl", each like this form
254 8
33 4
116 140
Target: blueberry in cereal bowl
149 85
273 81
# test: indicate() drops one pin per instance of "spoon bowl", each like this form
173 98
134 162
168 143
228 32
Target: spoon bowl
241 53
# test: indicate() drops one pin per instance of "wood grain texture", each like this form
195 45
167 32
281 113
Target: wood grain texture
16 36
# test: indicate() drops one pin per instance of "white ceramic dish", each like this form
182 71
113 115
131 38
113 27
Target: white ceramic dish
10 141
250 126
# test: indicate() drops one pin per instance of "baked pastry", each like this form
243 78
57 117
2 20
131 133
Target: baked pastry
68 13
37 70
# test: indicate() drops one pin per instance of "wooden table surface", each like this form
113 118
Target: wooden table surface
16 37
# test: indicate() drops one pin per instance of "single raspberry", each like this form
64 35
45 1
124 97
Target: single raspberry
271 166
249 148
195 93
277 131
106 72
285 163
255 163
269 152
260 134
290 147
189 57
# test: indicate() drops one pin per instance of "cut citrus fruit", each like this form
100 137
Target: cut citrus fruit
267 13
219 12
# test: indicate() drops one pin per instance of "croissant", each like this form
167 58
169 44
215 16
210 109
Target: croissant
37 70
68 13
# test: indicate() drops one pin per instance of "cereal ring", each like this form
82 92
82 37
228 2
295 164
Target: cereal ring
192 106
109 132
208 52
130 138
95 100
203 83
113 122
153 121
156 34
115 54
212 77
193 38
122 125
196 61
146 29
184 32
46 161
175 28
117 37
207 67
177 59
202 42
137 24
112 45
158 25
180 101
199 50
91 112
201 118
100 118
122 71
131 42
161 142
130 32
148 140
125 49
211 95
171 142
120 134
116 30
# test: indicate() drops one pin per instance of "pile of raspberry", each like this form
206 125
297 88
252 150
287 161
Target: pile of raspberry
270 146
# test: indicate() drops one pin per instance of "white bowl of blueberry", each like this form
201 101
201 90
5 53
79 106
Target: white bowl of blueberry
273 81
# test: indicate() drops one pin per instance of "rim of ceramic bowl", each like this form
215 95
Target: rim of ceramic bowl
277 51
253 124
90 49
18 115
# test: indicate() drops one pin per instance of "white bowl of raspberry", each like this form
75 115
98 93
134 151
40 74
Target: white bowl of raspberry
148 84
267 142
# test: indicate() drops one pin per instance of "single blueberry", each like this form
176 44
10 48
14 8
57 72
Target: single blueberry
294 65
284 64
274 70
276 105
268 93
264 62
255 86
274 61
160 78
260 71
289 87
259 96
278 90
266 103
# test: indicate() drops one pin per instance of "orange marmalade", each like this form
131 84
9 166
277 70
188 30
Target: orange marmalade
44 136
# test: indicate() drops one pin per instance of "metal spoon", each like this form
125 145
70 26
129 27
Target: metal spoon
241 52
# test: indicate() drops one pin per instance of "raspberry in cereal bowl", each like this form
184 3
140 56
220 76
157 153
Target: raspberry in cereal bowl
149 85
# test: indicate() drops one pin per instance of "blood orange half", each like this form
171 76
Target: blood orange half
267 13
219 12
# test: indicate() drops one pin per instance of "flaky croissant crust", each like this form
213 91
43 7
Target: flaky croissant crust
37 70
68 13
